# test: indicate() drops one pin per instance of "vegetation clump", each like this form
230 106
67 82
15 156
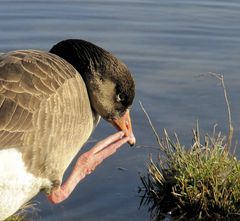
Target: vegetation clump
202 182
15 218
197 183
27 212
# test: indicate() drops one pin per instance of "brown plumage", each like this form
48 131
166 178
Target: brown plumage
44 106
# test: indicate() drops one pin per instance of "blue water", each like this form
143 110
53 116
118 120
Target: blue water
170 46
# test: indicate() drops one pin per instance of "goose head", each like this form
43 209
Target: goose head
110 85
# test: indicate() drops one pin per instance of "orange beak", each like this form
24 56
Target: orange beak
124 124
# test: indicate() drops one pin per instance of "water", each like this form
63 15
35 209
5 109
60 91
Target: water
170 46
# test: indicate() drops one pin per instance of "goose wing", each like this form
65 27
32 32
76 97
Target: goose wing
26 79
42 101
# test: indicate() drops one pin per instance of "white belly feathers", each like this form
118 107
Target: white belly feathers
17 186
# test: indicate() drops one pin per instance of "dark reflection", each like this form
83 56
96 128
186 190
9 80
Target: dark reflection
159 205
162 207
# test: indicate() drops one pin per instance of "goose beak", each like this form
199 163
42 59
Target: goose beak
124 124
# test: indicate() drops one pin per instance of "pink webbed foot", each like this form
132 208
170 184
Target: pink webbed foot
87 163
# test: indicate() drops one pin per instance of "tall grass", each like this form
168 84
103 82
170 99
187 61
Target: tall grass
201 182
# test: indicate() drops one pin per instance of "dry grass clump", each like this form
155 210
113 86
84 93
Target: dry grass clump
200 182
197 183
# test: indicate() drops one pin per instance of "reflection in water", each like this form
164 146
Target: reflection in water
166 44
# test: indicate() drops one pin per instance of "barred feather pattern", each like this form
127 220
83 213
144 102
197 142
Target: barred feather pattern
44 111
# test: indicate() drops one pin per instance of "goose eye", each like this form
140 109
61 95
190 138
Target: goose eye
120 97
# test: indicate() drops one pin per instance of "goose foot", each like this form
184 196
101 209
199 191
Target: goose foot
87 163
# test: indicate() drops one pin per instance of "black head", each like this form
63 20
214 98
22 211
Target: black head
109 83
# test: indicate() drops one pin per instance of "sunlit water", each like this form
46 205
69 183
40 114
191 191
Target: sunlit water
170 46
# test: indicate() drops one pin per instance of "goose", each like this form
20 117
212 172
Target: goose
50 103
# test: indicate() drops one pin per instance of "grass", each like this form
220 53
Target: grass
15 218
201 182
26 213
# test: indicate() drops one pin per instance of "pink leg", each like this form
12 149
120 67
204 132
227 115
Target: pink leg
86 163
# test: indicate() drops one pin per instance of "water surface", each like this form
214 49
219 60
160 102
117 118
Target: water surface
168 45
